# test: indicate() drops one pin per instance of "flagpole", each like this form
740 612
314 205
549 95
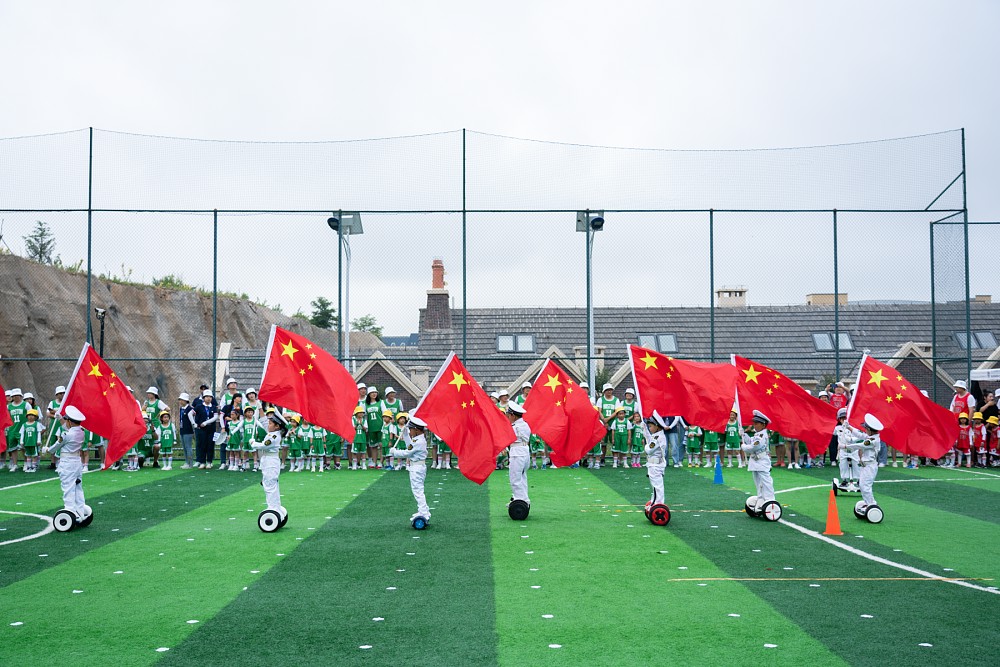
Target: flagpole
267 353
638 394
451 355
72 378
857 383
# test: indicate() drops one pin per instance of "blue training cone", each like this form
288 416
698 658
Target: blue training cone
718 470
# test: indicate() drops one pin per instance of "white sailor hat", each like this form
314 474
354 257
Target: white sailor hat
390 390
526 385
153 390
924 392
960 384
630 390
516 408
60 389
73 413
841 413
417 422
231 381
278 418
759 416
607 385
249 391
872 422
208 392
371 389
184 397
655 418
16 391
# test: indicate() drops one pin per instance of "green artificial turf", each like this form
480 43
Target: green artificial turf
318 607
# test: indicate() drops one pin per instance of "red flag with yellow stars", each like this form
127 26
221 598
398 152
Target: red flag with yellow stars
302 376
110 409
794 412
560 413
5 422
459 412
914 424
702 393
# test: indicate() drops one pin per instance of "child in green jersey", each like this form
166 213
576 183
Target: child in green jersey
166 435
31 437
637 438
711 441
619 435
360 445
734 438
694 435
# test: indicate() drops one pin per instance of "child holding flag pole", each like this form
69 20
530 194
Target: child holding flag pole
275 516
416 455
520 455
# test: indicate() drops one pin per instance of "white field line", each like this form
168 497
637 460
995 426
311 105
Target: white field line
48 528
886 481
37 481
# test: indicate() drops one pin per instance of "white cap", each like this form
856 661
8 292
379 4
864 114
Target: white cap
370 389
362 385
251 390
16 391
960 384
60 389
390 390
824 393
416 421
493 394
231 381
630 390
759 416
153 390
526 385
28 395
502 392
872 422
184 397
208 392
73 413
607 385
516 408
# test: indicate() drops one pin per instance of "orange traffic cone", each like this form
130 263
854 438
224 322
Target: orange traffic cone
832 518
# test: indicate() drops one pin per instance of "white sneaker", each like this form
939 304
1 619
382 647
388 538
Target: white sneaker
677 465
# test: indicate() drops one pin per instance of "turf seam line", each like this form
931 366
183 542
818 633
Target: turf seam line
879 559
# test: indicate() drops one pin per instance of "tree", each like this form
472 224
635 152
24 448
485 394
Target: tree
324 315
367 323
40 243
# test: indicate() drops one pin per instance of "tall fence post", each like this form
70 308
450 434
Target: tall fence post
215 297
90 234
711 283
968 294
836 302
340 286
465 303
934 348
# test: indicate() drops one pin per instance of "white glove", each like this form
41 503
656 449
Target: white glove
45 450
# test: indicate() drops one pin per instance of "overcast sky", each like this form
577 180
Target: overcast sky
664 75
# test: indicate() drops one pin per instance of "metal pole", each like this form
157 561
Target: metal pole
215 296
934 350
340 286
836 302
591 375
102 335
465 305
90 234
711 283
347 303
968 295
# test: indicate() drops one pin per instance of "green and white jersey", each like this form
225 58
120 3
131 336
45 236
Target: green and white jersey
31 434
630 408
520 398
395 407
733 436
167 435
607 406
359 430
19 415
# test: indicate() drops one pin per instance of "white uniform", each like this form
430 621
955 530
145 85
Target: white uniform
520 457
868 445
270 466
755 448
848 458
70 470
656 461
416 455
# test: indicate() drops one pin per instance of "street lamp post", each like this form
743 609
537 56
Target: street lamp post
100 312
588 221
345 223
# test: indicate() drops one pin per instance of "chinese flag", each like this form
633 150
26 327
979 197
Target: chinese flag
794 412
457 409
702 393
560 413
5 423
111 410
914 424
301 376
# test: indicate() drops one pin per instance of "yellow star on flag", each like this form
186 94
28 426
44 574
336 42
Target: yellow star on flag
309 346
95 371
899 397
553 382
302 371
458 379
289 350
472 403
770 391
464 405
112 385
312 355
558 403
751 374
669 375
569 389
888 399
775 385
876 378
649 360
902 387
310 366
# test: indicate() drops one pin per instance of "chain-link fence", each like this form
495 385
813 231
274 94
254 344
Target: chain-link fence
179 254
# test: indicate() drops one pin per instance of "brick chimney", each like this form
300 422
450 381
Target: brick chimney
437 314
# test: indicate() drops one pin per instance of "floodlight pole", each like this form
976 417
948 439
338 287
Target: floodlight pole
347 299
591 375
340 286
836 303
